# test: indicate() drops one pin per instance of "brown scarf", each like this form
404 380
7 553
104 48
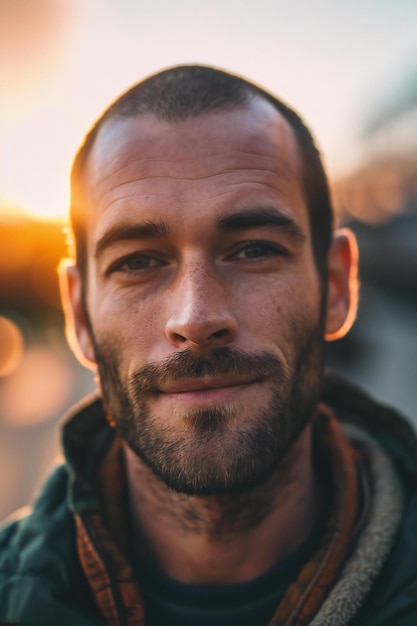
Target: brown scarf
101 539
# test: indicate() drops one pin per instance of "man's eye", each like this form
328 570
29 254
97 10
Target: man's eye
138 262
258 251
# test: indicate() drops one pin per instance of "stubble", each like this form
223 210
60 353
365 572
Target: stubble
216 450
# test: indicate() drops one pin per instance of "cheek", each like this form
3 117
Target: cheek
133 325
276 306
285 319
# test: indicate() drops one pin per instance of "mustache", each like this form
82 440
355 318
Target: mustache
186 364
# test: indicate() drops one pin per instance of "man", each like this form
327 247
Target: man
219 477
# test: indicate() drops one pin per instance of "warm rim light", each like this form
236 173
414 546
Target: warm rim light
11 346
352 286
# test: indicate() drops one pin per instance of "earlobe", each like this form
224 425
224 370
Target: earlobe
343 285
76 323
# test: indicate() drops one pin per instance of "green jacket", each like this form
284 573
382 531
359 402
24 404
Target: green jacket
42 582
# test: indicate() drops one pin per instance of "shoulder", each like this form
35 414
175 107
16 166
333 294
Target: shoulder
27 529
393 598
39 569
41 579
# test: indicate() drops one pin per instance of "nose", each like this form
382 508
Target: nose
200 313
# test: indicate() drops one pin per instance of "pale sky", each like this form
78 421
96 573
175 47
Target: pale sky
63 61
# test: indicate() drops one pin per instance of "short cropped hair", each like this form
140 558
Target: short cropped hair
187 91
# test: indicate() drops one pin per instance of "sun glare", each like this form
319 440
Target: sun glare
38 152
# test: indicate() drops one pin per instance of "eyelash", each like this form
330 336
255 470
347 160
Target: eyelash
270 250
270 247
118 266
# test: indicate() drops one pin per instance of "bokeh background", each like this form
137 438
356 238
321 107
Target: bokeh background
349 66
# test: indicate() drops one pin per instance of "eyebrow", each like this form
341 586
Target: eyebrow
124 232
242 220
261 216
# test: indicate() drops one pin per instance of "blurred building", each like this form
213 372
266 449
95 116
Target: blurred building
379 202
385 185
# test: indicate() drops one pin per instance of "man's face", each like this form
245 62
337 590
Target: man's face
204 309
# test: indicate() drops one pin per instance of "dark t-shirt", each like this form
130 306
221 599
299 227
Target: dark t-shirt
168 602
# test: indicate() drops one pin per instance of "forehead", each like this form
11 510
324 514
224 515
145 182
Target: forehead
212 160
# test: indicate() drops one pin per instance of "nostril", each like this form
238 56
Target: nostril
179 338
219 334
200 330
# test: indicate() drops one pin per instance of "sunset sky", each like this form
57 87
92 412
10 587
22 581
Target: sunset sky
63 61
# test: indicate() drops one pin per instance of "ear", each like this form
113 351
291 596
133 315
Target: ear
343 285
76 323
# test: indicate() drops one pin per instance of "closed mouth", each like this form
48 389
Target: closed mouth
205 384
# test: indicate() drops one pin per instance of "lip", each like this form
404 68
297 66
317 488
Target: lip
206 384
206 391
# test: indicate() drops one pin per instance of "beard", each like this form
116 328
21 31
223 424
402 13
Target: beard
214 450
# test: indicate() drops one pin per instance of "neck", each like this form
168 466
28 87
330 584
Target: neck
224 538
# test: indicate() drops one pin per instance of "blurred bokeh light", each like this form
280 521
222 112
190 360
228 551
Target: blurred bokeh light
38 388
